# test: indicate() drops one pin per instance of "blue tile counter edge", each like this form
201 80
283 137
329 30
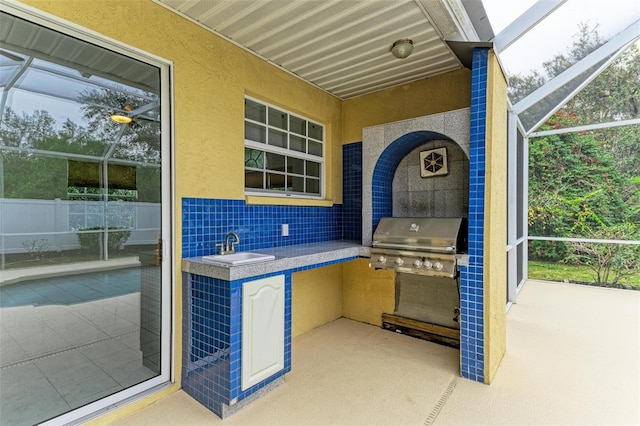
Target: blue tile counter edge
301 256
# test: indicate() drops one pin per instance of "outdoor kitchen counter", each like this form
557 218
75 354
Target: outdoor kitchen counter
287 257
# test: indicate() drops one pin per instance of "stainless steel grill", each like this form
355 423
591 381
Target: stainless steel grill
423 246
425 252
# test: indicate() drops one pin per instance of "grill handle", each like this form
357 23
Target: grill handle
376 244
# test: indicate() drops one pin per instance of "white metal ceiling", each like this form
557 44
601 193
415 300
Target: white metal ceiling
341 46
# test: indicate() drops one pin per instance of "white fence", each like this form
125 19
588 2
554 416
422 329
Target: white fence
56 223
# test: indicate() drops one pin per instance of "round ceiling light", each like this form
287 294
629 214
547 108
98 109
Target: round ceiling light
122 119
402 48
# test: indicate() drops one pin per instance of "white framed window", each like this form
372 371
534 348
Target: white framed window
283 152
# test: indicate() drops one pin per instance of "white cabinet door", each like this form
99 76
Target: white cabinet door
262 329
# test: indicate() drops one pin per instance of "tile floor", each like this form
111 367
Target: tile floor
67 341
572 359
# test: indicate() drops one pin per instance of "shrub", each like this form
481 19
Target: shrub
553 251
37 247
609 261
92 241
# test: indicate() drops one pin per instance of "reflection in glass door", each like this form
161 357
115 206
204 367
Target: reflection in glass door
82 219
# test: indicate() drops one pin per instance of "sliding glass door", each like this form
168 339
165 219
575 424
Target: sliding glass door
84 222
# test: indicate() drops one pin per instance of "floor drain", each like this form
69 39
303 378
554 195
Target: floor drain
441 402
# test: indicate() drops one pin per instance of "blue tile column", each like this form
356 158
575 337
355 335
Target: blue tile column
472 277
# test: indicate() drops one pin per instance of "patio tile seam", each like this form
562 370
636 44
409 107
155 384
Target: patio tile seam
59 352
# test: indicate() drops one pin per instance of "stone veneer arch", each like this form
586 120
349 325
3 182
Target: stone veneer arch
384 146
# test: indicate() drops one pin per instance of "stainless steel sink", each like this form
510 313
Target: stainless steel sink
237 259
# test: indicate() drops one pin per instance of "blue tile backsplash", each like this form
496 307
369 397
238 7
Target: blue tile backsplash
205 222
212 308
352 191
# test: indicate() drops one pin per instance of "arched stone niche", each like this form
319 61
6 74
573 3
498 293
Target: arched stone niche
384 147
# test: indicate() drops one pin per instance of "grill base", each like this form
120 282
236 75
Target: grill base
422 330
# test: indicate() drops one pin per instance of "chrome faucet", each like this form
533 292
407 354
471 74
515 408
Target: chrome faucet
229 246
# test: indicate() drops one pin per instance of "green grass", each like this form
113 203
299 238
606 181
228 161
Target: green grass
551 271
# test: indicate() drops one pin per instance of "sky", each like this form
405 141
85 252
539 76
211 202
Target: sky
555 33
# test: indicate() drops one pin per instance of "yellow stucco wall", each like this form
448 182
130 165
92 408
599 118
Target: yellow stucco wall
495 231
367 293
351 289
316 298
444 92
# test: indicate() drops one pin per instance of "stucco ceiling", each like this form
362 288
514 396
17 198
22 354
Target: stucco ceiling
344 46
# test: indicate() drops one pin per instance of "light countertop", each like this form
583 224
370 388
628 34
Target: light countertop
287 257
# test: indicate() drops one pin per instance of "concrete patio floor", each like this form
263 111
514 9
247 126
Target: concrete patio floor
573 358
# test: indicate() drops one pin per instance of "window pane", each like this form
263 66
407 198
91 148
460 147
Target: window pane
253 158
255 111
313 186
255 132
253 179
295 165
298 125
315 148
297 143
289 140
315 131
277 138
313 169
276 182
277 119
275 162
297 184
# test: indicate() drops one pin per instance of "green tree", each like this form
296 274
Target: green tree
34 177
574 188
614 94
587 184
20 131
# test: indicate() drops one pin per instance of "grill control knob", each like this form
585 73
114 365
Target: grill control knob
382 259
427 264
417 263
438 266
399 261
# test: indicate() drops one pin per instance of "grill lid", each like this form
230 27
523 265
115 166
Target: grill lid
442 234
